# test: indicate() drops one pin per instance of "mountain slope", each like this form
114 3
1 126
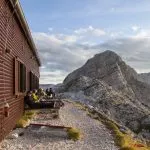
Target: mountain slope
145 77
113 88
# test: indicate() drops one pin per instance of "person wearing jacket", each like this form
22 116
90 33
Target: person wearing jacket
35 96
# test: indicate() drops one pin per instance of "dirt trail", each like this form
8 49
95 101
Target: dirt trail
95 135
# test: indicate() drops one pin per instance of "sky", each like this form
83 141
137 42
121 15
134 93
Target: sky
69 32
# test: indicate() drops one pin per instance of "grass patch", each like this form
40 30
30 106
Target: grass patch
29 113
127 148
74 134
79 106
24 121
125 141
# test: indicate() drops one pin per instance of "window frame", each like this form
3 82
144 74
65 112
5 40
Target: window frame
34 81
20 77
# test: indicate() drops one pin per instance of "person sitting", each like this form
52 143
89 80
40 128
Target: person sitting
28 100
40 93
46 91
51 93
35 96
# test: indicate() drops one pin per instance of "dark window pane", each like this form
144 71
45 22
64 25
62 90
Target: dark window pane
21 78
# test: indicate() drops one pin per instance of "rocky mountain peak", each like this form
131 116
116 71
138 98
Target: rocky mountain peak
107 57
109 54
113 87
106 66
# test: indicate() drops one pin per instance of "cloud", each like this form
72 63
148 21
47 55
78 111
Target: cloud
59 52
143 33
50 29
62 53
116 34
90 31
52 77
134 51
46 39
135 28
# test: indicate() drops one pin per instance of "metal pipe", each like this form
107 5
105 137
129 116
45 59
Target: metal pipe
51 126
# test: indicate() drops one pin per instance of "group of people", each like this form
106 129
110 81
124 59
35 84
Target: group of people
40 93
33 98
50 92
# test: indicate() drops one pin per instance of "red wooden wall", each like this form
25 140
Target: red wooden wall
20 48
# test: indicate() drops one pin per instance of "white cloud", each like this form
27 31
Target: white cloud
116 34
143 33
50 29
135 28
45 40
67 38
140 33
43 67
61 53
90 31
49 77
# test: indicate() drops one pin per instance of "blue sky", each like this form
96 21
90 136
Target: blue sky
68 32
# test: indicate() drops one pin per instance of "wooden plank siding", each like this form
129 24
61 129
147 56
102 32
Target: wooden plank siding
20 49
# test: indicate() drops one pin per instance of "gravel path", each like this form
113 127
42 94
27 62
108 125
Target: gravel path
95 135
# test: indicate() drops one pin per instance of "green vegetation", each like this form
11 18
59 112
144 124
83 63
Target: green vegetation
127 148
74 134
80 106
24 121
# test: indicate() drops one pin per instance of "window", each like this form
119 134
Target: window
31 81
34 81
20 77
22 74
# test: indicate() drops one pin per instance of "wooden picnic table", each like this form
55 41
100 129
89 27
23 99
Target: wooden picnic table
57 103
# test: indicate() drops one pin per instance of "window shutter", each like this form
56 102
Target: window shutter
24 79
31 81
16 77
21 78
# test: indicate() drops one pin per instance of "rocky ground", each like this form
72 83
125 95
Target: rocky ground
95 135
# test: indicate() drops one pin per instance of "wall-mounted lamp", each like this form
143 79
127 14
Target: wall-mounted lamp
8 51
32 57
17 95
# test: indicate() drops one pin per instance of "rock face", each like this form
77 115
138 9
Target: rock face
145 77
112 87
